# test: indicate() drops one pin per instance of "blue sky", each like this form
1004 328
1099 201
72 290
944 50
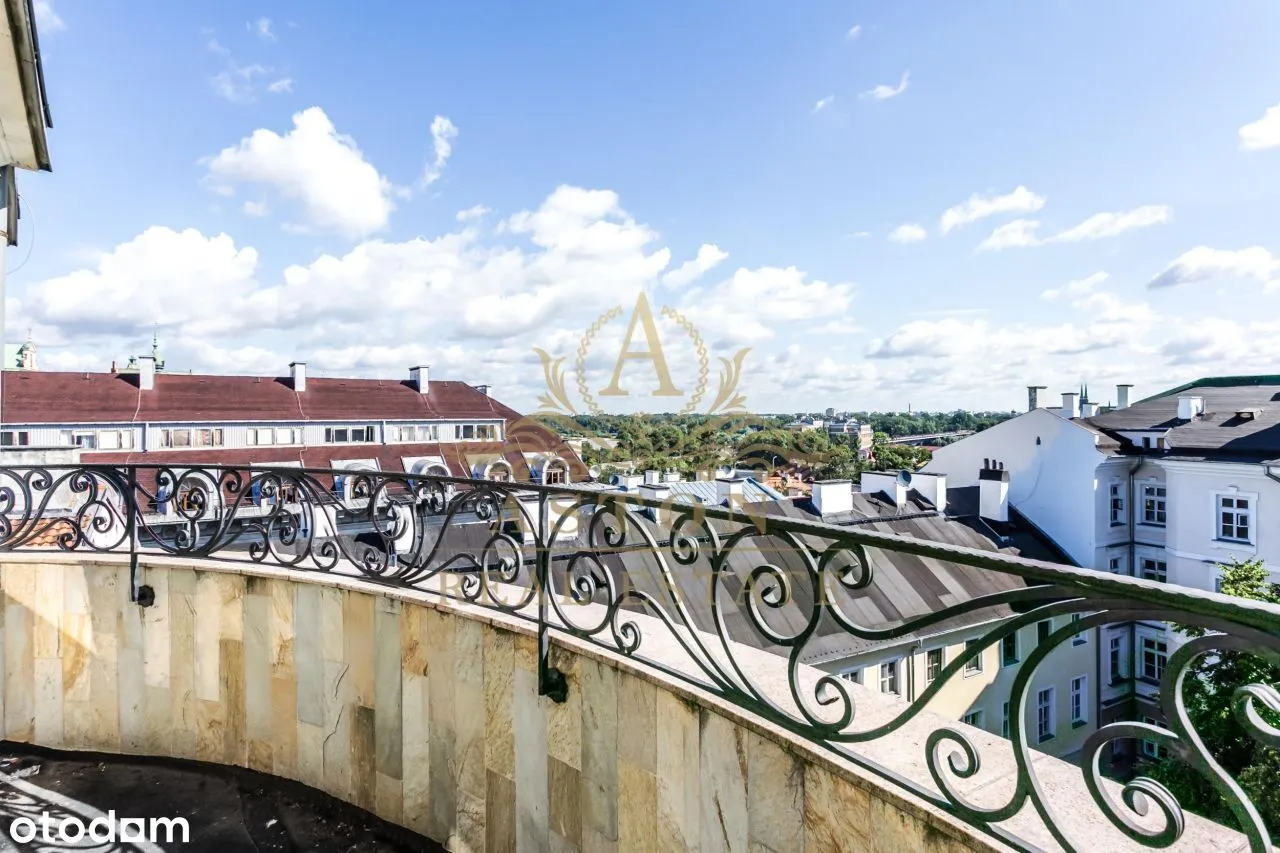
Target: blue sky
609 142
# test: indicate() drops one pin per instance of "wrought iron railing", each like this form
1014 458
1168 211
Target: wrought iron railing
632 574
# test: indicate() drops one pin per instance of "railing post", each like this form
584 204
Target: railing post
551 681
140 594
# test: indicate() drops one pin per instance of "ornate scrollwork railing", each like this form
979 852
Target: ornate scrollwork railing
729 601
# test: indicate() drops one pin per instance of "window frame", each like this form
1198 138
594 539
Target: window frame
973 718
1079 705
853 675
930 676
15 438
1159 650
1247 513
1046 726
1082 637
1115 503
974 665
1115 660
889 677
1151 569
1043 629
1155 507
1004 721
1005 659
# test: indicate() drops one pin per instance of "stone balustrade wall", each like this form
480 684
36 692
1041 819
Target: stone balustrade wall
426 714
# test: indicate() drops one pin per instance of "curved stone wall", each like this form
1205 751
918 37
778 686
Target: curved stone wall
425 713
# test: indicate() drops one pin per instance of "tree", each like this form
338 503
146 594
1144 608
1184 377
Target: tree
1207 696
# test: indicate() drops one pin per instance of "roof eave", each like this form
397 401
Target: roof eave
26 47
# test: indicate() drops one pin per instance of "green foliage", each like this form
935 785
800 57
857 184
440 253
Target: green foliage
1207 693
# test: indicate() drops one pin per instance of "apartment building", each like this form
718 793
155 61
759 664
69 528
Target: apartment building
410 425
1166 489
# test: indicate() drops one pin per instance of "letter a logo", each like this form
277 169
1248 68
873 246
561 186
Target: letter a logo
643 316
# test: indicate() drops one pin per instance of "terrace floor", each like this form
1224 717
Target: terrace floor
227 809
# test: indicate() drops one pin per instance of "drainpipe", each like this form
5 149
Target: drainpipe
911 670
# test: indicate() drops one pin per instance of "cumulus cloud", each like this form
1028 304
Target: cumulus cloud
1021 200
1077 287
908 233
1203 263
823 103
282 86
474 212
321 170
443 132
262 29
884 92
709 256
1263 133
751 304
1022 232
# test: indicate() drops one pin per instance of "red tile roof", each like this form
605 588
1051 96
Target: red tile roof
39 396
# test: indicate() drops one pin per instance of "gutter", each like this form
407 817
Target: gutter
26 48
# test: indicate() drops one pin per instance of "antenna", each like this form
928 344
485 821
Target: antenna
904 478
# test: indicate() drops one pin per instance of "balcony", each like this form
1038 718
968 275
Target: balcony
509 666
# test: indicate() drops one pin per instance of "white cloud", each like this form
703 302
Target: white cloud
1263 133
283 85
1203 263
709 256
908 233
235 84
1078 287
1102 225
839 327
314 165
46 18
473 212
161 276
751 304
214 46
255 208
823 103
262 29
854 32
884 92
860 235
1022 232
1021 200
443 132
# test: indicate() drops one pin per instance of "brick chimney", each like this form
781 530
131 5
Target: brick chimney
1033 397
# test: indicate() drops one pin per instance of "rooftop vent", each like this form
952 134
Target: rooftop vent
1249 414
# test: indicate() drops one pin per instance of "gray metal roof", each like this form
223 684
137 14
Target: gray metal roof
1219 432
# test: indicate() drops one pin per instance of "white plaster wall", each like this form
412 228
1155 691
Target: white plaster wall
1053 483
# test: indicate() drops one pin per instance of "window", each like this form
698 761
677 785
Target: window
1154 658
555 476
348 435
1146 442
206 437
1114 565
287 435
973 718
974 665
1150 748
1044 714
1234 516
428 433
467 431
932 664
1117 504
1009 650
854 675
1116 659
889 677
87 440
487 432
1043 629
12 438
175 438
1081 638
1155 570
1078 689
110 439
1004 720
1153 505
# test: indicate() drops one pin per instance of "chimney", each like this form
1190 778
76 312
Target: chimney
1071 404
932 487
483 389
630 482
672 477
888 482
147 372
1189 407
728 492
656 492
1088 410
1033 397
651 477
418 376
1122 396
298 370
832 496
993 494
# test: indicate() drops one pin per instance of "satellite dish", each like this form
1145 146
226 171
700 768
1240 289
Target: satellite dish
594 471
904 478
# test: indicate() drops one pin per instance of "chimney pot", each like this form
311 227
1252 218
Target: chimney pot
993 494
147 372
298 370
1122 396
483 389
420 378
